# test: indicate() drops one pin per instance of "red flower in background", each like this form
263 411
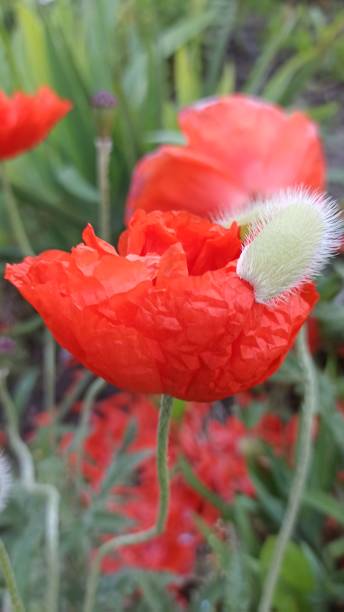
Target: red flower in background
167 315
280 436
175 550
26 119
214 451
237 148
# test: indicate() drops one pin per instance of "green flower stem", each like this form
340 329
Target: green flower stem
301 471
14 215
50 494
49 378
103 149
86 410
141 536
10 581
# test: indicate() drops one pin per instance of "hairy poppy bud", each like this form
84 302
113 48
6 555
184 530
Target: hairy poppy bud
104 104
289 241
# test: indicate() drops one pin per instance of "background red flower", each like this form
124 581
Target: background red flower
237 148
26 119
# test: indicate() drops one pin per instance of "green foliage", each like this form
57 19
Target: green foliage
154 58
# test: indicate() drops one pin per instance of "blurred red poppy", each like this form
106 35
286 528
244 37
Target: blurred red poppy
27 119
215 444
213 449
167 315
175 550
237 148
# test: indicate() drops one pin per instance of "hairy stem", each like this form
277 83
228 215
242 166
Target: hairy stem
49 379
139 537
103 149
96 387
15 219
50 494
10 581
301 472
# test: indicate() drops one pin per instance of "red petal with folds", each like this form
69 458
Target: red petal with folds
162 321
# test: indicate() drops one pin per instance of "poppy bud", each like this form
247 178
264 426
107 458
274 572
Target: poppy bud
289 242
104 104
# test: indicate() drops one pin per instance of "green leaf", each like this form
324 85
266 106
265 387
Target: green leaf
326 504
75 184
281 28
35 51
180 33
24 388
186 81
296 571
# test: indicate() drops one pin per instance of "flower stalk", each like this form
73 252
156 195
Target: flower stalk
10 581
301 472
139 537
27 479
103 149
49 379
15 219
104 105
95 388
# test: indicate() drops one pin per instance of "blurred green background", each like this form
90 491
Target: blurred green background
155 56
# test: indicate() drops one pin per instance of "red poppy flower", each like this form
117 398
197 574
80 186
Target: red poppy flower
27 119
237 148
213 449
168 315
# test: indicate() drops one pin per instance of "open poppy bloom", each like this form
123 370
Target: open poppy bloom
27 119
237 148
168 313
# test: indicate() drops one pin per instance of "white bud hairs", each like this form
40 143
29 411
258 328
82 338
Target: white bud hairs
5 480
291 237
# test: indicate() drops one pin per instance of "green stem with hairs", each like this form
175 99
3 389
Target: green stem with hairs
50 494
95 388
10 581
14 215
103 149
139 537
49 380
301 472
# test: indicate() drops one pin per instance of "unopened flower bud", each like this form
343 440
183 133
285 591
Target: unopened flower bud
104 105
290 239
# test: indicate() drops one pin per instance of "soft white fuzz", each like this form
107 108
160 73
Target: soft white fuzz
290 239
5 480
